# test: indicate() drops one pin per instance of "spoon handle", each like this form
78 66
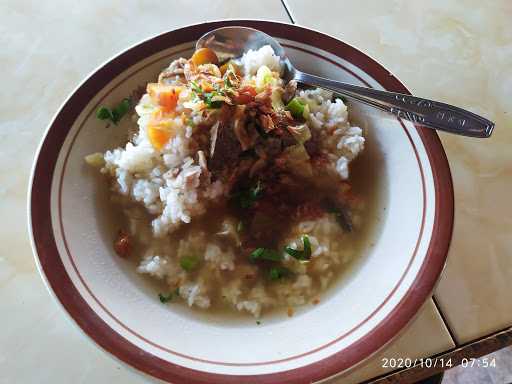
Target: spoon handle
432 114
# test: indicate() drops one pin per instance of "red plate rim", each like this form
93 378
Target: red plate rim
53 271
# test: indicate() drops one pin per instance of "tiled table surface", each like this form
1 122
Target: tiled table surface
456 51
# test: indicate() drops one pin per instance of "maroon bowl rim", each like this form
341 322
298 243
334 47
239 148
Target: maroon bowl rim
48 257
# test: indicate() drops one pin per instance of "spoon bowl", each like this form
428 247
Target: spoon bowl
231 43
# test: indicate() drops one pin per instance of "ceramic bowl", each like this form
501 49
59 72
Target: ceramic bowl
70 223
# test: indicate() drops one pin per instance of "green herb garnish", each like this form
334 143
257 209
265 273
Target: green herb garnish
189 263
196 88
165 298
257 190
207 96
246 198
265 254
208 100
169 297
296 107
302 255
105 113
276 273
115 114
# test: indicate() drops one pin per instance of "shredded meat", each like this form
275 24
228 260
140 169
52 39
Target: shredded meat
266 123
264 97
282 119
239 119
289 91
175 69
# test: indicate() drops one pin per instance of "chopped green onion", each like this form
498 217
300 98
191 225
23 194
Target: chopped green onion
188 263
104 113
207 96
307 246
302 255
296 108
208 100
263 77
257 189
196 88
166 298
248 197
306 112
122 108
265 254
276 273
115 114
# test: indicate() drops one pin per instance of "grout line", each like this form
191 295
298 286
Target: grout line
288 12
450 331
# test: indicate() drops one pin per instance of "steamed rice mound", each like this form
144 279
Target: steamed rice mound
184 196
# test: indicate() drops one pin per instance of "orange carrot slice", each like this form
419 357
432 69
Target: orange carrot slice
204 56
158 137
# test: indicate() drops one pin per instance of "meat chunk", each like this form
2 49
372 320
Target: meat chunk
225 148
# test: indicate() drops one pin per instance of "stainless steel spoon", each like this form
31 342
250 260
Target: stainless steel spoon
232 42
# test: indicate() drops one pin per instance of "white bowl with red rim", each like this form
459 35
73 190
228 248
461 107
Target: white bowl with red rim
70 220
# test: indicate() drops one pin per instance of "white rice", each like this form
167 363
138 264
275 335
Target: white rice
332 116
253 60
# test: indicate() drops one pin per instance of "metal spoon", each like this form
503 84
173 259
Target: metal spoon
232 42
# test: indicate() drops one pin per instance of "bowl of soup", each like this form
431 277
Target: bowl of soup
206 221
